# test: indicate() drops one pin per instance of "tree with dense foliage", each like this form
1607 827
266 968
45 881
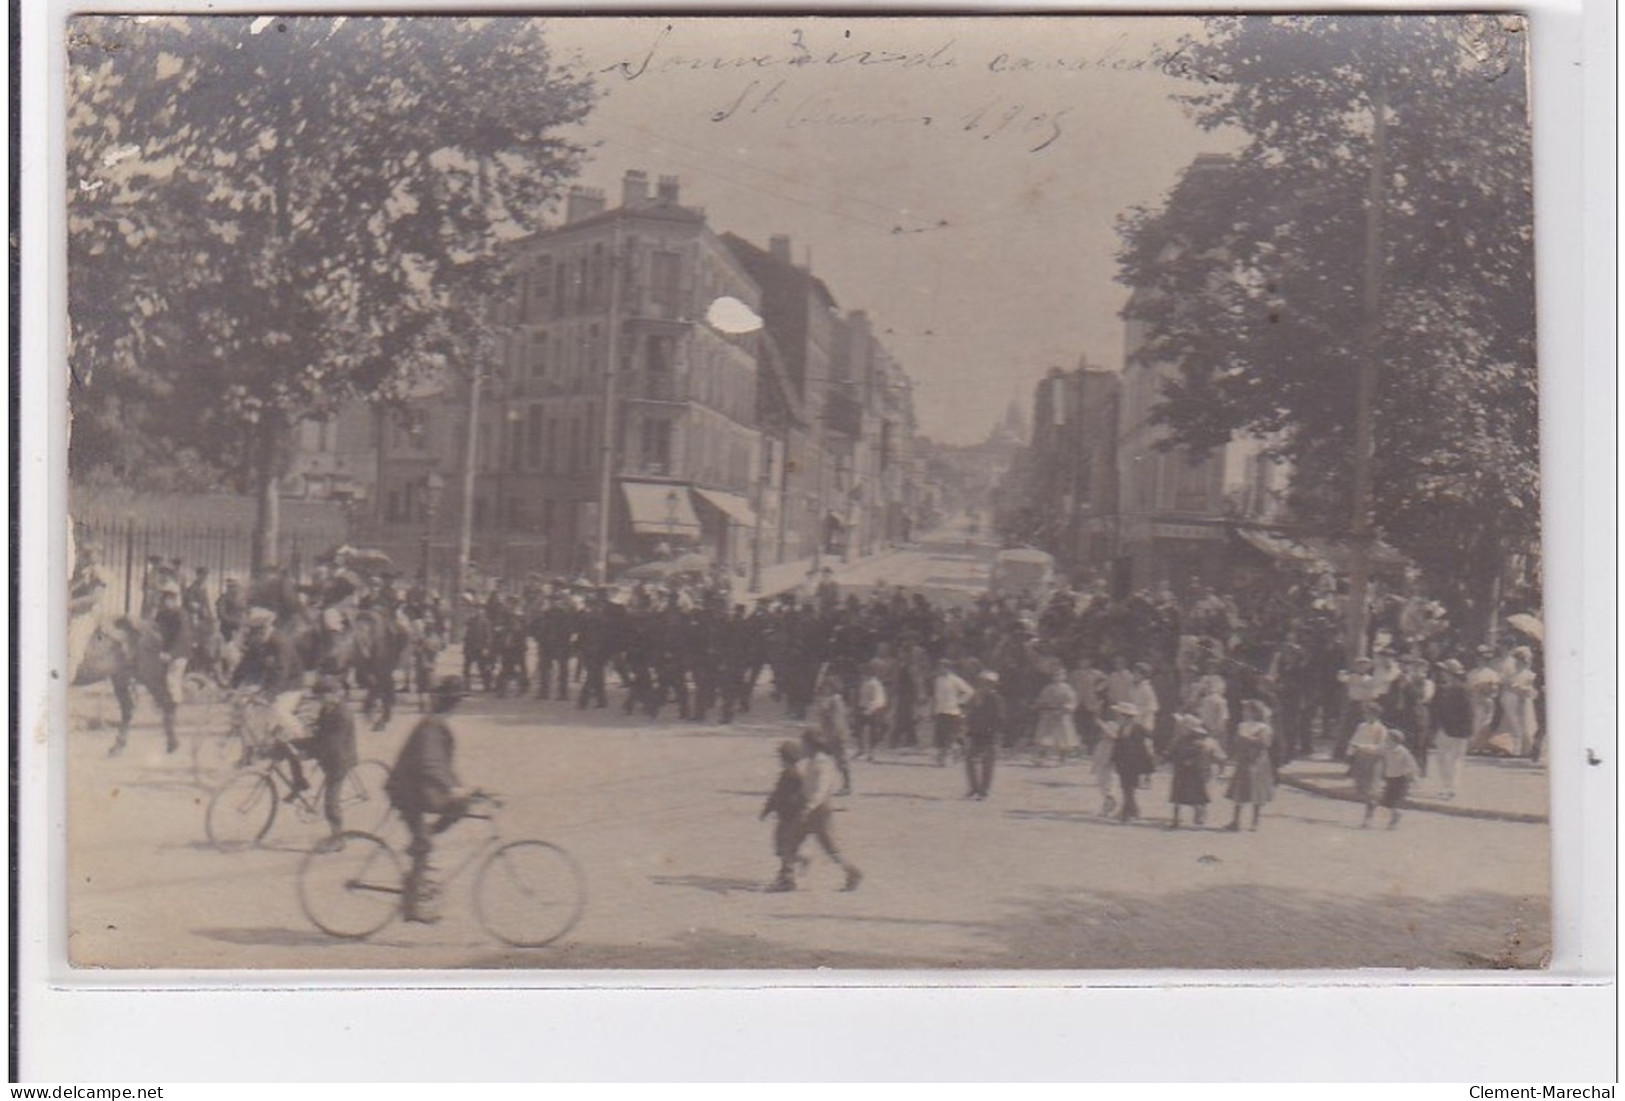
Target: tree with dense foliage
269 217
1249 279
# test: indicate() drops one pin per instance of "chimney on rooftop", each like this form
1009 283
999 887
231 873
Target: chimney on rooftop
778 246
583 202
634 187
668 189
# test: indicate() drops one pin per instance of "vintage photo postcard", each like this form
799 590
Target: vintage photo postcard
1041 494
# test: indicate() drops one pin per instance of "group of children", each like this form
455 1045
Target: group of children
802 802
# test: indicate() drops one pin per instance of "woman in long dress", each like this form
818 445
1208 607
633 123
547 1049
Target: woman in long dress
1519 718
1056 730
1365 754
1253 783
1193 755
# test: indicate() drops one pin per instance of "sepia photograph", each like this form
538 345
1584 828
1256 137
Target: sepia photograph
910 494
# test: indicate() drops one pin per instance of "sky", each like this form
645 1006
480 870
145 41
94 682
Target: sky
958 178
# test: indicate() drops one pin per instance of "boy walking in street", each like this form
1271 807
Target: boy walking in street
789 802
818 776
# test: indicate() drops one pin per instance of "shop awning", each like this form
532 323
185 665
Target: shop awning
1314 550
731 505
659 508
1277 546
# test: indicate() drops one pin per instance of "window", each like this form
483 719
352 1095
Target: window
535 437
659 353
539 283
575 443
537 353
582 303
664 271
550 444
479 512
1191 475
392 510
656 446
597 277
561 288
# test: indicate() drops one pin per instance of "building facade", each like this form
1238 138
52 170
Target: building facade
1180 511
1073 462
676 420
753 448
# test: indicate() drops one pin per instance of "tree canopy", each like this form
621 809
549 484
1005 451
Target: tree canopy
269 217
1248 279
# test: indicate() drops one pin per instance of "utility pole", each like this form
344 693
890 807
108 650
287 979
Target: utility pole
1362 535
465 525
471 432
612 350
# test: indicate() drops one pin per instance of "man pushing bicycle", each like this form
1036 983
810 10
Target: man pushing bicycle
421 784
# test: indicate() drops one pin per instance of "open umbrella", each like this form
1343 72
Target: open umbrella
1529 625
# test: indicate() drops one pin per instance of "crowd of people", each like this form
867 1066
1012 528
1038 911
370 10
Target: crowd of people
1216 688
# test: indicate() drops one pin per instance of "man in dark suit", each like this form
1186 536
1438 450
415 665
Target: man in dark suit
421 784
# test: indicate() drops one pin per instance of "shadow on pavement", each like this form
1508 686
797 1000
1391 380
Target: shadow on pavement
712 884
287 938
700 948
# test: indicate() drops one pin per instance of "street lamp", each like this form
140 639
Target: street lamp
671 521
433 486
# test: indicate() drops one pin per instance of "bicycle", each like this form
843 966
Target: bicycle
526 893
217 756
241 812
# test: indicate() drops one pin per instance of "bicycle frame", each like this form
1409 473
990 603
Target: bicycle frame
492 840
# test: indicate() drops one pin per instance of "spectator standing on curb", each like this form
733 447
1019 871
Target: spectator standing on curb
1453 719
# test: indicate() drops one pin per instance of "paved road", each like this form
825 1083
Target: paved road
663 818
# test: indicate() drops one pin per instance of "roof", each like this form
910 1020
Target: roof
763 265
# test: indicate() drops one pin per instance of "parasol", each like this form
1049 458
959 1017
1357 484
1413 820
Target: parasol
1529 625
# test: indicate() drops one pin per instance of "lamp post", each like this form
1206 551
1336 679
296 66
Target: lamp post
671 521
433 486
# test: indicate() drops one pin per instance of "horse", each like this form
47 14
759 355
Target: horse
126 653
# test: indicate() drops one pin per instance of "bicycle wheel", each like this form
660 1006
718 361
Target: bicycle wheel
353 889
362 799
529 893
215 757
241 812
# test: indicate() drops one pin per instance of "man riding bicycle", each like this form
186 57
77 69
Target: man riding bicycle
421 784
271 664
